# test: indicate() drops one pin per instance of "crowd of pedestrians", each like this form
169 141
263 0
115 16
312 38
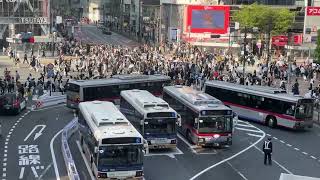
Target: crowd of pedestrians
184 63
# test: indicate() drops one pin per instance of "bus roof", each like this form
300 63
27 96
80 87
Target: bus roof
121 79
106 121
145 102
196 100
265 91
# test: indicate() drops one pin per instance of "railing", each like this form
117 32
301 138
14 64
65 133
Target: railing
68 130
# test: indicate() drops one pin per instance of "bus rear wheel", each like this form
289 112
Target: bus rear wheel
271 121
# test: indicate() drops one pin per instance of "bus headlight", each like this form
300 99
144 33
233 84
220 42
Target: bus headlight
201 140
216 136
139 173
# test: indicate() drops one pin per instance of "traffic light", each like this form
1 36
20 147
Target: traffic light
215 36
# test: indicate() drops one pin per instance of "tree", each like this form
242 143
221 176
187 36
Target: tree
317 50
261 16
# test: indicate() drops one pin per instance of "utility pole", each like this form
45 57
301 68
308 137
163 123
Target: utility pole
269 46
244 50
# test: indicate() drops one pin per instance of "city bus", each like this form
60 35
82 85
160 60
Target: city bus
109 89
271 106
203 119
112 146
151 116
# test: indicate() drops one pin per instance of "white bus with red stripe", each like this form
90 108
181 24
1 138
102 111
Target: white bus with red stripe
109 89
271 106
204 120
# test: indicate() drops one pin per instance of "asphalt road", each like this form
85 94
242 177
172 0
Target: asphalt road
31 144
242 161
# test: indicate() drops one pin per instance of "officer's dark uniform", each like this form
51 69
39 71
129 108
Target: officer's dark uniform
267 149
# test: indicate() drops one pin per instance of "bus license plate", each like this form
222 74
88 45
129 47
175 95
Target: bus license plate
160 141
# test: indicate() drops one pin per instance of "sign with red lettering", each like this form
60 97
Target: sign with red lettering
313 11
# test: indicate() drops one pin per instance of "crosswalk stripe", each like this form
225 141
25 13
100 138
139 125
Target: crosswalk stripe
244 125
249 130
254 135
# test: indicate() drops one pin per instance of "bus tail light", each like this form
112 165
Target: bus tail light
16 103
174 141
139 173
102 175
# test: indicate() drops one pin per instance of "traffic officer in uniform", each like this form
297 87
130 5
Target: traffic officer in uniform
267 149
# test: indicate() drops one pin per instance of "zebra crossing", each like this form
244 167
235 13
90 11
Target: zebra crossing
249 129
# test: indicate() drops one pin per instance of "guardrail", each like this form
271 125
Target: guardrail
68 130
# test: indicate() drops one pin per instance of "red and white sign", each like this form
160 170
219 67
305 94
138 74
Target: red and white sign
313 11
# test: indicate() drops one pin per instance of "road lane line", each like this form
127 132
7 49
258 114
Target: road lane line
45 171
289 145
4 169
304 153
4 164
4 175
54 156
229 158
297 149
268 134
236 170
275 138
282 167
254 135
85 161
282 141
8 136
313 157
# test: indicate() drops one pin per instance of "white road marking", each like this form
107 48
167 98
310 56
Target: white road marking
313 157
8 136
5 147
4 175
13 127
229 158
44 172
282 141
289 145
170 154
249 130
282 167
7 139
54 156
254 135
4 169
275 138
10 132
4 164
15 123
38 134
236 170
244 125
6 142
297 149
268 134
304 153
5 150
5 155
20 119
5 159
85 161
34 172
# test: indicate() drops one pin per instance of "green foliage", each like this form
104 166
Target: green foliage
279 20
317 50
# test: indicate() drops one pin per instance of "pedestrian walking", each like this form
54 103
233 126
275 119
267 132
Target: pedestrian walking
267 149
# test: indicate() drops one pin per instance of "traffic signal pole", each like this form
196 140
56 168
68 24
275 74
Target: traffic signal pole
244 50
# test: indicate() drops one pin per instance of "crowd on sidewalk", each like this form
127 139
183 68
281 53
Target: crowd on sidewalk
185 64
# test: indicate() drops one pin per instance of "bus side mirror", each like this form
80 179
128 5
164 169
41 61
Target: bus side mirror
145 147
95 149
179 120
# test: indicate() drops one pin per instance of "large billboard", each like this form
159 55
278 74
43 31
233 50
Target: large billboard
211 19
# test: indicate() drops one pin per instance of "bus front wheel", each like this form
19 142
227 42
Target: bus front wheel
271 121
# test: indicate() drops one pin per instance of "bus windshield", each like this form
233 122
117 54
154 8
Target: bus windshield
304 110
211 124
159 126
120 155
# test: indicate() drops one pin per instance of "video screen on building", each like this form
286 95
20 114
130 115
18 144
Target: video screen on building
213 19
